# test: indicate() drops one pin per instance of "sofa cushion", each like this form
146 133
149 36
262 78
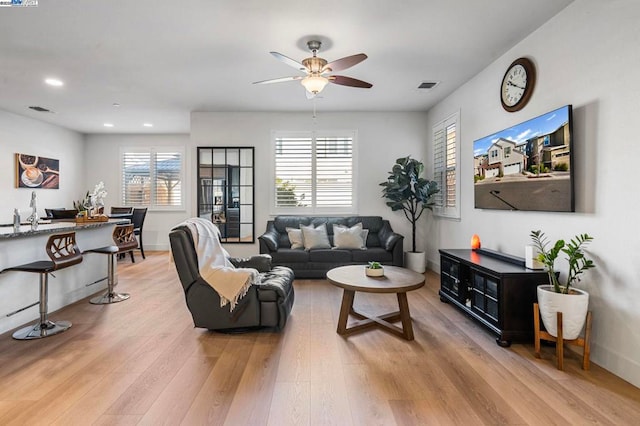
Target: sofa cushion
281 223
330 221
377 254
350 238
289 256
295 238
373 223
315 238
330 255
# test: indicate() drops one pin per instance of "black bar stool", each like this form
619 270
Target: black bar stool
63 252
125 241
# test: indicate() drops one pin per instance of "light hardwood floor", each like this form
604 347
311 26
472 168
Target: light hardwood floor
142 362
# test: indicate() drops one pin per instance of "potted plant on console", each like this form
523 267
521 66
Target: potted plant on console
405 190
556 296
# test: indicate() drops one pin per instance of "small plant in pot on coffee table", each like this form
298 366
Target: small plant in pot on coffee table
374 269
375 265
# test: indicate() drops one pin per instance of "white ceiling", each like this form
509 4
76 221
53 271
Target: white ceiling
162 59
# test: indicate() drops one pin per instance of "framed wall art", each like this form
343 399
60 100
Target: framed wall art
33 171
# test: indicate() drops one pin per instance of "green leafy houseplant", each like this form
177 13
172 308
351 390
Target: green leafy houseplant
92 199
574 250
374 265
405 190
84 204
374 269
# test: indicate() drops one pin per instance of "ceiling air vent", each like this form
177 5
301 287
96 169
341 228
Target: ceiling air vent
428 85
39 109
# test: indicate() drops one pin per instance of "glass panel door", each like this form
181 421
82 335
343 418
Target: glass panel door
226 191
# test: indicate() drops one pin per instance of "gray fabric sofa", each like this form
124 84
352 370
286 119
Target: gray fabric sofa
265 305
382 245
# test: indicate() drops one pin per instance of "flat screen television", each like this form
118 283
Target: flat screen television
528 166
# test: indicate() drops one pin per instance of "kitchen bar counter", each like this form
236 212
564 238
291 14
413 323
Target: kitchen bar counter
20 289
53 226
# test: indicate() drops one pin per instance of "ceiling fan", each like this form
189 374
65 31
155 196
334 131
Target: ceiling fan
318 71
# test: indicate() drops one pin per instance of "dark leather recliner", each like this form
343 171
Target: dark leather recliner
267 304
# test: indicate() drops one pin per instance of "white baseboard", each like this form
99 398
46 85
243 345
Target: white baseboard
616 363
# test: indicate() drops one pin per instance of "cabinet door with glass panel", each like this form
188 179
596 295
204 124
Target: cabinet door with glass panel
225 191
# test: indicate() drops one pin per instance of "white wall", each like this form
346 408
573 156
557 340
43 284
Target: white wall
381 138
586 56
17 290
28 136
103 152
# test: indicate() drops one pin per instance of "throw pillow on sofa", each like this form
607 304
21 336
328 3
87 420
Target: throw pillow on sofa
295 238
315 238
350 238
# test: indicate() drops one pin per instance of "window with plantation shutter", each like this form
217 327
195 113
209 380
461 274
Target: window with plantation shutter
152 177
293 172
445 165
313 172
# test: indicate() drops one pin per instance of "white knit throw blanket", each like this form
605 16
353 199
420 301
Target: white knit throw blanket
229 282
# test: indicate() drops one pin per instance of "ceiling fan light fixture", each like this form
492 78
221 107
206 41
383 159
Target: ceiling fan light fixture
314 83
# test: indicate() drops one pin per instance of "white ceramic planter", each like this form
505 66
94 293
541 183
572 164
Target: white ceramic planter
415 260
573 307
374 272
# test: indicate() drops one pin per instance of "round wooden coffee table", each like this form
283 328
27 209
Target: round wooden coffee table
395 280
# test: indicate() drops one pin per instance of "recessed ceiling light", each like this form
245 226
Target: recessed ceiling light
148 125
108 124
116 105
54 82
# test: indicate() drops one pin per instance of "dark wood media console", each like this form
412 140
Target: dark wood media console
493 288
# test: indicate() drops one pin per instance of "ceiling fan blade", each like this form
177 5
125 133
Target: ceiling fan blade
278 80
344 63
287 60
348 81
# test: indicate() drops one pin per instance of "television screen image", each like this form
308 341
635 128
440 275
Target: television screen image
527 166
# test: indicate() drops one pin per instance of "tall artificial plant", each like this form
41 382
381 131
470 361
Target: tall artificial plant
574 250
405 190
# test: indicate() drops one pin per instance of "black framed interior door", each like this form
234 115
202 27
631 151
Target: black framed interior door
226 191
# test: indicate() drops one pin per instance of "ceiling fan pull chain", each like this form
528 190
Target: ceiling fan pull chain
314 111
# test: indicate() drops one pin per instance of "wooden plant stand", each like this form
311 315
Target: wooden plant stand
583 342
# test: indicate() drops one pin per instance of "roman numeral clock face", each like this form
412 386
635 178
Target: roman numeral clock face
517 85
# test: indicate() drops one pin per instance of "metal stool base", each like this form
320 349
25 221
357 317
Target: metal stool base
109 298
41 330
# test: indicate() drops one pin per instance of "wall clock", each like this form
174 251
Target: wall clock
517 84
